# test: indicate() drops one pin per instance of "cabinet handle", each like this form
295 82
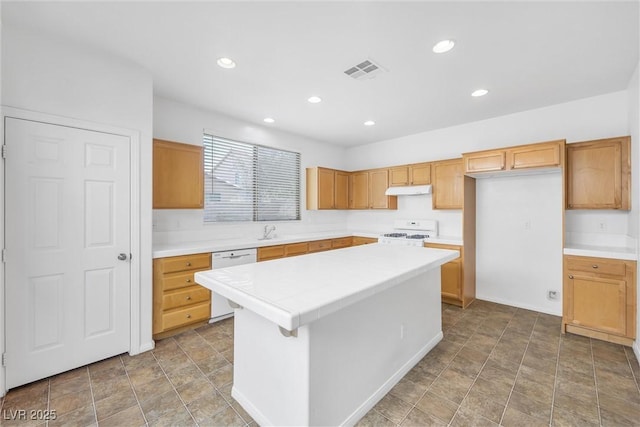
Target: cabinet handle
188 264
571 276
188 316
189 298
595 266
188 280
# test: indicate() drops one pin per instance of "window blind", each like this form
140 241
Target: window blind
248 182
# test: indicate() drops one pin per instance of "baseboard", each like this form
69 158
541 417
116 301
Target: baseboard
636 350
148 346
518 305
368 404
255 413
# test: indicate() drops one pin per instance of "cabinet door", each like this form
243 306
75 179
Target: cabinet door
178 175
359 190
326 188
535 156
597 303
378 184
485 161
448 183
598 174
341 190
450 279
420 174
399 176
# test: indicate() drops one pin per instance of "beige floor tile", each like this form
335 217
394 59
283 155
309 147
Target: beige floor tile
160 405
80 417
393 408
374 418
483 405
131 417
451 385
438 407
514 418
107 388
196 389
409 391
152 388
74 385
70 402
228 417
207 407
222 376
114 404
418 418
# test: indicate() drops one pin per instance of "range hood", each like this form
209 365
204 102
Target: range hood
410 190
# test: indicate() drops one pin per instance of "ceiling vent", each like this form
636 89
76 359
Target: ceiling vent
364 70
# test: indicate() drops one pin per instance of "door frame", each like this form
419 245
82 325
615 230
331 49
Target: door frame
135 339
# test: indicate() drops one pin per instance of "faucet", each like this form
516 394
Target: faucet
268 229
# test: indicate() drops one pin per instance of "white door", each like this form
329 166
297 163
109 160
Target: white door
67 222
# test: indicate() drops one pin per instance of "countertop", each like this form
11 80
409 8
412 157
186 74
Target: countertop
197 247
601 251
295 291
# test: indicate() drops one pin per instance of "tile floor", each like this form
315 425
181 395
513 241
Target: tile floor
497 365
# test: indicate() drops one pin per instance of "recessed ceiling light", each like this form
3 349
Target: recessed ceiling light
226 63
269 120
443 46
369 123
314 99
479 92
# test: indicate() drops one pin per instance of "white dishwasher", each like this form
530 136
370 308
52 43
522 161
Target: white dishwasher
220 308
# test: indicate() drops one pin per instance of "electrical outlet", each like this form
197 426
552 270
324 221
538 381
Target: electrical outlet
552 295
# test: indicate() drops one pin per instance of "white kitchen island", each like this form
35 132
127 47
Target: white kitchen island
320 338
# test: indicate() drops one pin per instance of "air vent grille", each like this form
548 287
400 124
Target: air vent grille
365 69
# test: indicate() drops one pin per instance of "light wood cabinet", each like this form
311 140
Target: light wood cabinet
513 159
448 184
327 189
378 184
599 174
266 253
359 240
178 175
367 188
359 190
178 302
414 174
599 298
454 289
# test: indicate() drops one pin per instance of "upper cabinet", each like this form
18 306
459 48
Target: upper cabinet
327 189
522 157
416 174
599 174
448 184
378 184
367 188
178 175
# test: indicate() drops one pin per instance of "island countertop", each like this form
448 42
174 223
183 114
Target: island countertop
291 292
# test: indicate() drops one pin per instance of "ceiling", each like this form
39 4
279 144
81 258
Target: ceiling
527 54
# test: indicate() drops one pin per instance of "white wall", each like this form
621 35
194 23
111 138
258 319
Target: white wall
183 123
60 78
586 119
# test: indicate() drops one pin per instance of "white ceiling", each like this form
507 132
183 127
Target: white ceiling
528 54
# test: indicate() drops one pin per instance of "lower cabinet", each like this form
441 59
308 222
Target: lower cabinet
454 289
266 253
599 298
178 302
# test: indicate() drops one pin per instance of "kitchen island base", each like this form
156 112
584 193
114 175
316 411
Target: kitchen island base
339 366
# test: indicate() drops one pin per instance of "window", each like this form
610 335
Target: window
247 182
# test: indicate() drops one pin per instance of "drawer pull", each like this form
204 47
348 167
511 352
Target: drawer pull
595 266
571 276
188 316
188 280
189 298
188 264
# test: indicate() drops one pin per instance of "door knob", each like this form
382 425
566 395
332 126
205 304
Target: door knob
122 257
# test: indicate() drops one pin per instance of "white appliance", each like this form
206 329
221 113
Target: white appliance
411 190
410 232
220 308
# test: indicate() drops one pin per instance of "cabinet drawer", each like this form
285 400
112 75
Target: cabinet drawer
186 296
184 263
176 281
185 316
343 242
296 249
270 252
596 265
319 245
357 240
